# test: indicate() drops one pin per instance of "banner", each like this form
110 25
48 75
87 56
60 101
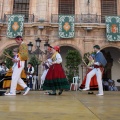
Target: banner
113 28
66 26
15 26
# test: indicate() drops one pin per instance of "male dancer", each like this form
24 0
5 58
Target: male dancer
20 61
100 62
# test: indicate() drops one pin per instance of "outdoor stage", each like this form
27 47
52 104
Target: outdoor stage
69 106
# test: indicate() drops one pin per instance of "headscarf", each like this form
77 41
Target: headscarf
57 48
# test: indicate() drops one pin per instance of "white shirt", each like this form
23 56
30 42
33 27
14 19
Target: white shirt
58 59
32 71
1 69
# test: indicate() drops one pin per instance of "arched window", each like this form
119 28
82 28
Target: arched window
108 8
21 7
66 7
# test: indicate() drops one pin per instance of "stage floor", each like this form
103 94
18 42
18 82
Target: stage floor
69 106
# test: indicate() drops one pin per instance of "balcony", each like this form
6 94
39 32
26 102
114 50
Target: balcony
80 18
29 18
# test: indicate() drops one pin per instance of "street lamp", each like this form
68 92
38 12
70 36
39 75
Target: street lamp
30 45
38 42
38 51
45 47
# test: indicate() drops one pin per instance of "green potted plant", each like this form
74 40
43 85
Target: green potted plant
73 60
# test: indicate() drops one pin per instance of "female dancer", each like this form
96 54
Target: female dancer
55 78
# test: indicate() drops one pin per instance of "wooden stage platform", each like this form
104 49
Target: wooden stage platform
69 106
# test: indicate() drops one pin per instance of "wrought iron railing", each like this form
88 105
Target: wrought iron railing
81 18
29 18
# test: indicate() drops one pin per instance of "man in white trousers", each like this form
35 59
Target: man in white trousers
20 62
99 63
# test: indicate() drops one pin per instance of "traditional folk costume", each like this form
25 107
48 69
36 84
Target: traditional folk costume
93 82
100 62
46 66
55 78
16 78
7 79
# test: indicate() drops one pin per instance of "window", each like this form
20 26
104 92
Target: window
66 7
108 8
21 7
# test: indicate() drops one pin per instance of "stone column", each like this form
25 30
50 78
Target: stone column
118 8
77 6
95 7
91 6
83 6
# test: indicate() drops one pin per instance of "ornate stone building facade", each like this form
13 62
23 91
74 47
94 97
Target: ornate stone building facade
42 21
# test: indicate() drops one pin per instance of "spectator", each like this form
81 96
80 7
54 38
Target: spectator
30 72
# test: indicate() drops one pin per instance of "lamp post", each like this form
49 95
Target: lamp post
30 45
38 51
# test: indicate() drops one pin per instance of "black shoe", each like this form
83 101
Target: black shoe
2 93
90 92
52 94
60 92
18 92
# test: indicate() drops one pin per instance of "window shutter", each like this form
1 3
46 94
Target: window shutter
66 7
108 8
21 7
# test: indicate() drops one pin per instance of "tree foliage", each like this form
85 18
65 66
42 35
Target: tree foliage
73 60
7 60
35 61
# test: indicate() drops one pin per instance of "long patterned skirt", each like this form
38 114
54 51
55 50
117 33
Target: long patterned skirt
93 82
7 79
56 79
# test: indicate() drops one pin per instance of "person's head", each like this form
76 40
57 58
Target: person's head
19 39
90 57
15 51
29 64
56 49
96 48
49 48
3 64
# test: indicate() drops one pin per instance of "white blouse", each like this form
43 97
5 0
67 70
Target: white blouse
58 59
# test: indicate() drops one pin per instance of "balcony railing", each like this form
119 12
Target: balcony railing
80 18
29 18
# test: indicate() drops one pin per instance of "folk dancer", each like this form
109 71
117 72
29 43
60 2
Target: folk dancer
55 78
100 62
93 83
20 61
7 78
46 64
